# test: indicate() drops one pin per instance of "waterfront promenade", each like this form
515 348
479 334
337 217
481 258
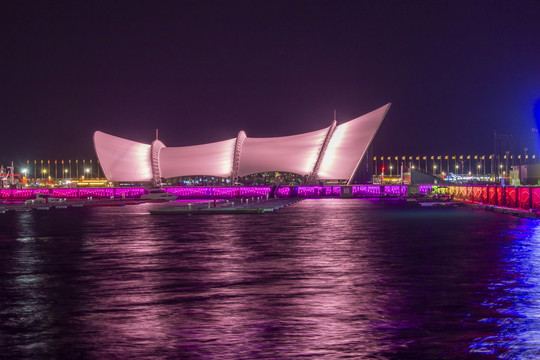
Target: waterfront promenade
214 192
516 198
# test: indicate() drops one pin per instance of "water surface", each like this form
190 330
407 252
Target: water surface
322 279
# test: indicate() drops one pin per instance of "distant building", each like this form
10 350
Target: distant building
333 153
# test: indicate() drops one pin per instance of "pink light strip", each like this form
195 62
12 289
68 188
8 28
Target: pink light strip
210 192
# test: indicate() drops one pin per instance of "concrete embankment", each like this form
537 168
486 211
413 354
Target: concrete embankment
523 201
70 203
502 210
226 207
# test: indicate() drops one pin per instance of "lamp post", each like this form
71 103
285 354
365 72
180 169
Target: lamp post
434 170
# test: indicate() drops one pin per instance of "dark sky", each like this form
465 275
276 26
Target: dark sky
200 71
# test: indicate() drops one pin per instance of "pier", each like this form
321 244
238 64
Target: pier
261 206
215 192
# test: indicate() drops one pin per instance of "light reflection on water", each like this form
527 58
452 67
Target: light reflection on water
322 279
513 296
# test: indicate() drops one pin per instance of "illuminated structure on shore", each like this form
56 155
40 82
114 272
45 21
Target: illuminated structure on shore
332 153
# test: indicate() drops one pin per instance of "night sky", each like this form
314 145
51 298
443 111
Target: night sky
200 71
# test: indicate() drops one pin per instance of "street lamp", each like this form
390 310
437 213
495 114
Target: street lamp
391 167
434 169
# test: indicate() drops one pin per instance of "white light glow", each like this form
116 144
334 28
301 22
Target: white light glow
121 159
214 159
349 144
296 154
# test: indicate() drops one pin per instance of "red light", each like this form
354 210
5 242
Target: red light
383 168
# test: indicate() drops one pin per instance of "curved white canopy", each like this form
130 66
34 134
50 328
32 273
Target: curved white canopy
349 144
296 154
327 154
122 159
215 159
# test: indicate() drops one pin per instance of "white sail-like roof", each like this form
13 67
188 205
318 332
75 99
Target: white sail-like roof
349 144
122 159
215 159
330 153
296 154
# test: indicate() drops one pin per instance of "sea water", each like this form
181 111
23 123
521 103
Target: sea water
321 279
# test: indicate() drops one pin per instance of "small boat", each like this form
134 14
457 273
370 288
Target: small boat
44 199
159 194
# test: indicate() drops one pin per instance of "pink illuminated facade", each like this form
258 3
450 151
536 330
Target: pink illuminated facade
333 153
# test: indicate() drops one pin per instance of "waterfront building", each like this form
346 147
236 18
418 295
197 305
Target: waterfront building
332 153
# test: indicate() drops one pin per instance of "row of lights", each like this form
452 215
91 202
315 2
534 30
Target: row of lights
44 171
454 157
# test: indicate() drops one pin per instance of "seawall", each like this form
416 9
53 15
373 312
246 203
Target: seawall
513 197
209 192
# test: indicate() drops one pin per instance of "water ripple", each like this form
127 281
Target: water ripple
323 279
